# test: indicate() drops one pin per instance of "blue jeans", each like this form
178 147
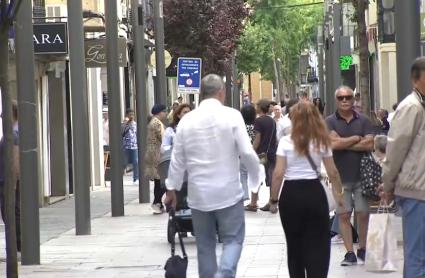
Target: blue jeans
231 229
413 213
132 157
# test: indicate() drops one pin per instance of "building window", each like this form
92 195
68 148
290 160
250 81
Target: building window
54 12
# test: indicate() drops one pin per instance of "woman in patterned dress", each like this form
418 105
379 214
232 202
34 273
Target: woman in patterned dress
153 150
249 114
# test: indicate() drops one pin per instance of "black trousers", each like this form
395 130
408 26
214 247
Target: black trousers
305 219
269 168
17 211
158 192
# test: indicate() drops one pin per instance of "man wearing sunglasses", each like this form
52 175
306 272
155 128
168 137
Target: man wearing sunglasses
352 135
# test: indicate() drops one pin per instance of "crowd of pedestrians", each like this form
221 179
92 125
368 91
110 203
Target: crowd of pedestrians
225 157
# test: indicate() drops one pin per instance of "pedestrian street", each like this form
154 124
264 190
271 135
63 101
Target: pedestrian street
136 246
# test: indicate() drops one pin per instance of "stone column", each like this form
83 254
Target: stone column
58 130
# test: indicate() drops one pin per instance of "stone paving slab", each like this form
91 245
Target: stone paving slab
136 245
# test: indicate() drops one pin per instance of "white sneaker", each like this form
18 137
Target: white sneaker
156 209
337 239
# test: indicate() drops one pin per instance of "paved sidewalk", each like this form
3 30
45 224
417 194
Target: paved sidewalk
136 246
60 217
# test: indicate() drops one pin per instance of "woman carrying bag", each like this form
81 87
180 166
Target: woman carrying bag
303 204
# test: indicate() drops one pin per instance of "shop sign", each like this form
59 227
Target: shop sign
96 53
345 62
50 38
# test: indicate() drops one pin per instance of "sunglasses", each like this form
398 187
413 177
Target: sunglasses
342 98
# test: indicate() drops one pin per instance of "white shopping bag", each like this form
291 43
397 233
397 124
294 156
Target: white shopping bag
381 247
253 185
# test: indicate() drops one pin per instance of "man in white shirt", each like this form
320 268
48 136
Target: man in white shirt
391 115
209 144
284 126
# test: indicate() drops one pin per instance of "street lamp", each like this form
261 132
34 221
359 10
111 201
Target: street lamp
386 21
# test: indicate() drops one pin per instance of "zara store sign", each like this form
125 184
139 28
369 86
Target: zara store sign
50 38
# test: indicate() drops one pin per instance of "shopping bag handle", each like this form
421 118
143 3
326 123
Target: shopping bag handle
172 215
383 207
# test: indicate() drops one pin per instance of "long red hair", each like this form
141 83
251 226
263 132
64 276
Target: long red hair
308 127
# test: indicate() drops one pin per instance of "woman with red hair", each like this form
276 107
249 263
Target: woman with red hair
303 204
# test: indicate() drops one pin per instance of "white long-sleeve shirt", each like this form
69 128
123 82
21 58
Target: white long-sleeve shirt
209 144
167 139
284 127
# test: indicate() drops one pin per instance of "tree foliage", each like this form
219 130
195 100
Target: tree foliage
204 28
277 31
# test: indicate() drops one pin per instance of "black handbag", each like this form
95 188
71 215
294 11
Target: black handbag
176 266
370 177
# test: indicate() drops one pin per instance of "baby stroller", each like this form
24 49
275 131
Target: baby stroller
183 215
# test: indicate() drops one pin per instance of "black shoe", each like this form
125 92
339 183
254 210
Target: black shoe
349 259
361 254
265 208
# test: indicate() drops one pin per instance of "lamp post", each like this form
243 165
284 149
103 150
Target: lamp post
28 143
161 80
141 94
407 28
79 111
114 108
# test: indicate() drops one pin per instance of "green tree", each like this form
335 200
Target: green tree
205 29
286 30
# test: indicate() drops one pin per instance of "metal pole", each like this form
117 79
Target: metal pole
407 28
161 83
321 62
337 80
114 108
236 99
28 143
327 74
321 73
141 94
80 119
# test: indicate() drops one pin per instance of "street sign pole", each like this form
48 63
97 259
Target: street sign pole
114 108
80 126
141 96
28 143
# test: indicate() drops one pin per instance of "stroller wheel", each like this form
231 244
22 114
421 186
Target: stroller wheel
171 231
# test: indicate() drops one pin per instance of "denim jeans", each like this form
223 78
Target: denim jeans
132 157
413 214
230 223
